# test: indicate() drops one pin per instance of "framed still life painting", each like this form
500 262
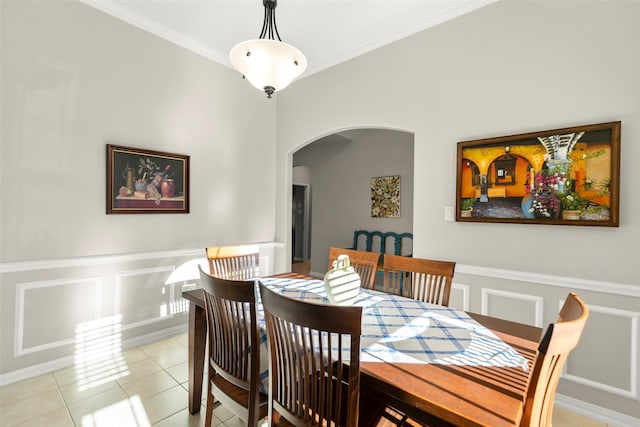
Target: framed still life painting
146 181
566 176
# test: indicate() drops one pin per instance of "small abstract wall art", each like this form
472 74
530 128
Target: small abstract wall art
385 197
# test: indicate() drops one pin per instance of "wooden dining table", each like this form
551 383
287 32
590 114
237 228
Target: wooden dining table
436 394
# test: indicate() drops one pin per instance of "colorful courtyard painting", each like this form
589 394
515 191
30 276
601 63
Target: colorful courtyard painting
564 176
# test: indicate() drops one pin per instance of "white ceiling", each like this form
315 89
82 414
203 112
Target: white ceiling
326 31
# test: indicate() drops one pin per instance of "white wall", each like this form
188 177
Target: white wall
73 80
341 171
301 175
508 68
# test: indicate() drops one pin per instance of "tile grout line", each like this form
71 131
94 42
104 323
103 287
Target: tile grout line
230 421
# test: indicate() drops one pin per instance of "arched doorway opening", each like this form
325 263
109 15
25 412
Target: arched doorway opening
336 172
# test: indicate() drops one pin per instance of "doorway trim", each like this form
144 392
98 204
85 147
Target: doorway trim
306 223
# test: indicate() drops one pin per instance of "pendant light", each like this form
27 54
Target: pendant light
269 64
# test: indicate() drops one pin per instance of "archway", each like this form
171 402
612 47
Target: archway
341 166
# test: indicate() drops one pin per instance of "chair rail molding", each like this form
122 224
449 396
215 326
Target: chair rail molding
47 264
550 280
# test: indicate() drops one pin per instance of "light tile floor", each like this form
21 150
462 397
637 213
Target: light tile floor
144 386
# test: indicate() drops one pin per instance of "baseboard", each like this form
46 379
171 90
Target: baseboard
65 362
598 413
35 370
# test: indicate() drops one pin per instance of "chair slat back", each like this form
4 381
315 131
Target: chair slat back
312 382
383 242
234 339
364 263
422 279
556 344
234 262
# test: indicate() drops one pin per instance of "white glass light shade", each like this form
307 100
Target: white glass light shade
266 63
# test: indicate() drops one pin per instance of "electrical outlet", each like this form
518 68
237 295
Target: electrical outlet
448 213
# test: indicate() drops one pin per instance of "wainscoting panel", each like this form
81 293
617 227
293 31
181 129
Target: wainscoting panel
608 330
54 313
517 307
142 297
459 298
48 311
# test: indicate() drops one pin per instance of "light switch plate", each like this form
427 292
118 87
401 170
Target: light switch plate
448 213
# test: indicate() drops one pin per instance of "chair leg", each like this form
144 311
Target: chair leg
208 421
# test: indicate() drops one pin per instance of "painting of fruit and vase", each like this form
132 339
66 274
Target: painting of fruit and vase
146 181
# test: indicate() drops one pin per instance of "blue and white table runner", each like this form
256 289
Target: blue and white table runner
397 329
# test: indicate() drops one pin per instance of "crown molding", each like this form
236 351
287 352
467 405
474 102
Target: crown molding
451 11
159 30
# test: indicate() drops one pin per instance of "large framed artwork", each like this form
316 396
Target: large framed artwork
385 197
146 181
568 176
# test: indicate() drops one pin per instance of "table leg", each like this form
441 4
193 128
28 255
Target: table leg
197 340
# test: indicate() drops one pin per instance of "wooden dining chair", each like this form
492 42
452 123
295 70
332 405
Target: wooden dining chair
314 361
559 340
234 262
554 348
364 263
234 348
422 279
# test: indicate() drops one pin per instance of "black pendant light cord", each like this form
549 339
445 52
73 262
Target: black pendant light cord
269 27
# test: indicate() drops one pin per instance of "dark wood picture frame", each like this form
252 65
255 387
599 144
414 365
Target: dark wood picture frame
146 181
568 176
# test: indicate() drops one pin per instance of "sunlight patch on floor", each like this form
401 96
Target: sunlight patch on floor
98 355
129 412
